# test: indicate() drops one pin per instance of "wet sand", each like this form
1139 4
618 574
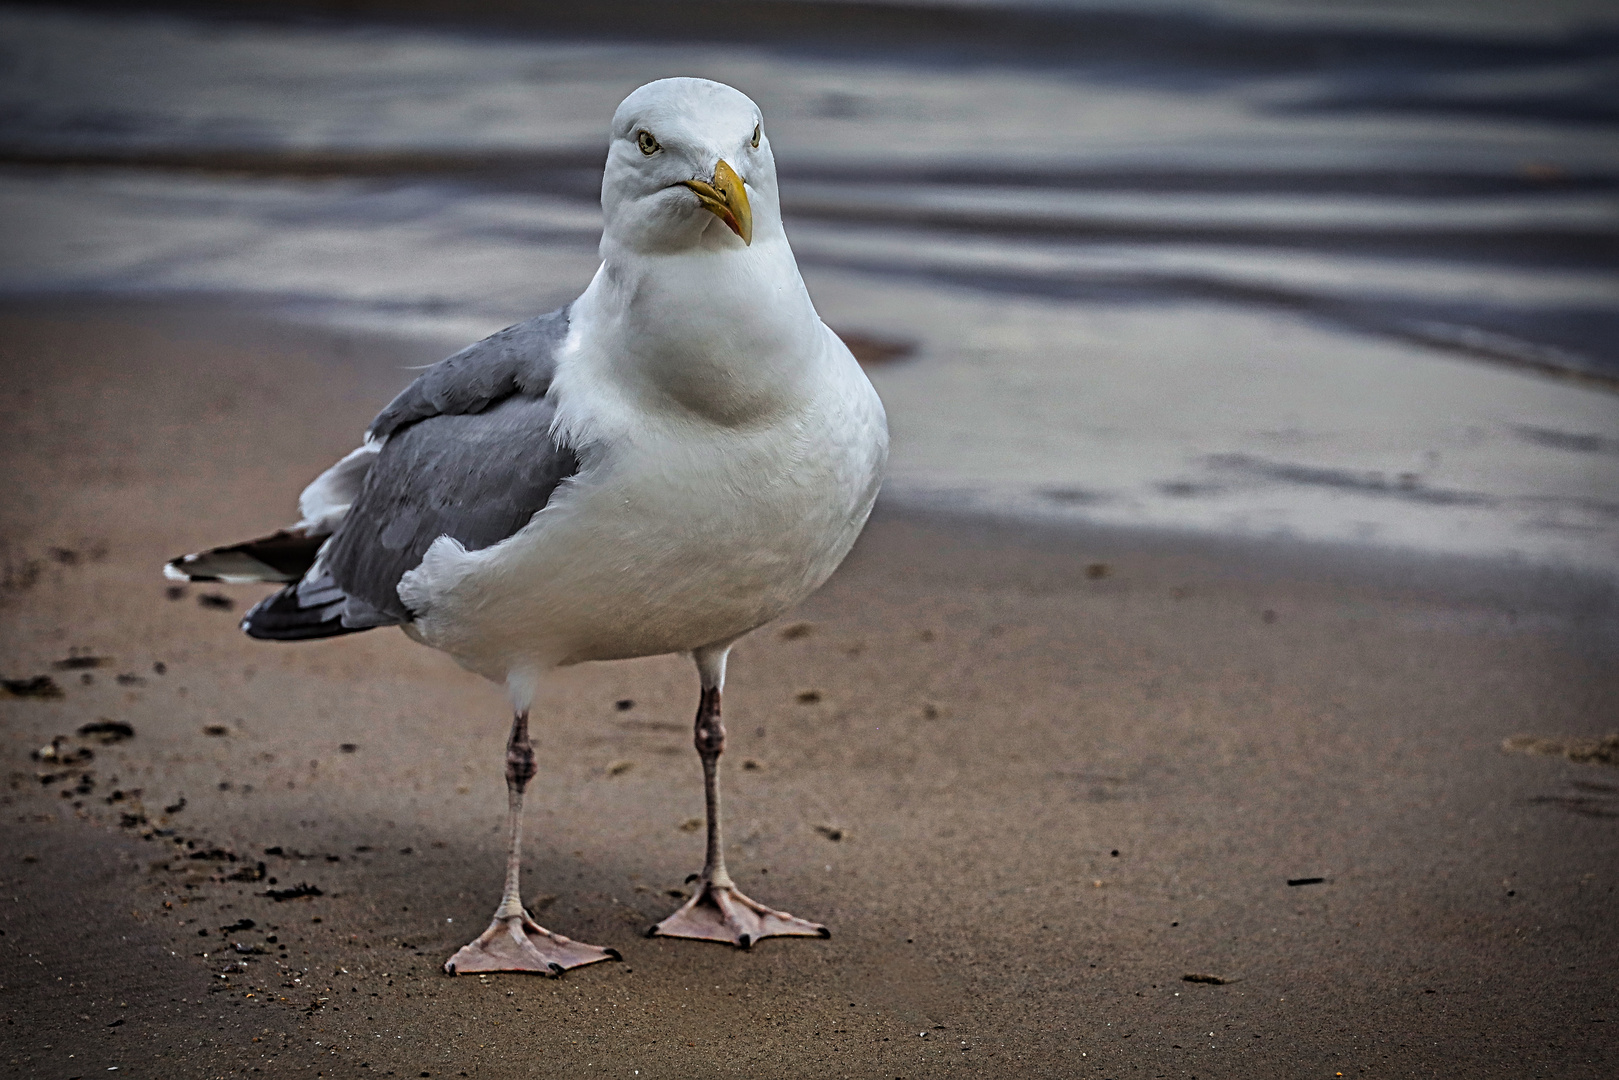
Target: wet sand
1032 779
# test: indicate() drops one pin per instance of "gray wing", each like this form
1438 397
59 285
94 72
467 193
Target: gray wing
469 455
518 360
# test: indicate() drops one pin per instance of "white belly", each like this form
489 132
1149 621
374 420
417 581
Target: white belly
666 542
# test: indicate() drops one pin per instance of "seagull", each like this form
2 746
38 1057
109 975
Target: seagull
677 457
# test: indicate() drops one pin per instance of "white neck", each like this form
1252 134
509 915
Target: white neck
722 332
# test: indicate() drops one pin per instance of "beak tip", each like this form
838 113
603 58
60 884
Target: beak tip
727 199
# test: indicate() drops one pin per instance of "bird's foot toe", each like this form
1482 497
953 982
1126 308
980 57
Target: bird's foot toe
518 943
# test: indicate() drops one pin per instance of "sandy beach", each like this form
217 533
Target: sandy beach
1034 778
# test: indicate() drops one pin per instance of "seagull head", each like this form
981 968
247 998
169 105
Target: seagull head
689 168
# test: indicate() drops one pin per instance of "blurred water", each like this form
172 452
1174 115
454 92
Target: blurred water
1256 268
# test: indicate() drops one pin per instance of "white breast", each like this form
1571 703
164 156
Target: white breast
681 530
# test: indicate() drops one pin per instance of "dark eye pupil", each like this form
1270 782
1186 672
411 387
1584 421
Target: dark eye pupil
647 142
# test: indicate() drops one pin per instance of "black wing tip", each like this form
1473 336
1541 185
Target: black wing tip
306 632
285 555
175 568
282 617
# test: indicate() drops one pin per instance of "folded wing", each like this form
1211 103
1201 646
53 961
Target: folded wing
465 451
477 478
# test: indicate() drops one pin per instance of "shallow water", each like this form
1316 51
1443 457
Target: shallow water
1257 269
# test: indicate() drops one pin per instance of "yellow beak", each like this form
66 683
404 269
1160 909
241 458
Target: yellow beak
726 199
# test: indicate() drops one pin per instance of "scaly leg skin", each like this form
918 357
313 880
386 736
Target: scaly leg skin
514 941
718 911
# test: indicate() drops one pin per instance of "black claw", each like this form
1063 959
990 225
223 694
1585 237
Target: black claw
557 969
652 931
745 941
692 877
825 932
613 953
450 968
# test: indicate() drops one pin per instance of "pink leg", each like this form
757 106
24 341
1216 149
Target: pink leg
718 911
514 941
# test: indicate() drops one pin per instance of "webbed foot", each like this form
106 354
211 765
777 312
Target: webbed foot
721 913
518 943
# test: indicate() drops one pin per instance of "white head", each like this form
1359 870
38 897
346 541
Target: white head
689 168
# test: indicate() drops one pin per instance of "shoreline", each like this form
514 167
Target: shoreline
1054 512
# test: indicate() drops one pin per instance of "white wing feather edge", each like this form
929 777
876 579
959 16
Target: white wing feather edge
327 499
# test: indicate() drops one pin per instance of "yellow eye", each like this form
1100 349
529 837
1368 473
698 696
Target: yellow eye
647 143
756 136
